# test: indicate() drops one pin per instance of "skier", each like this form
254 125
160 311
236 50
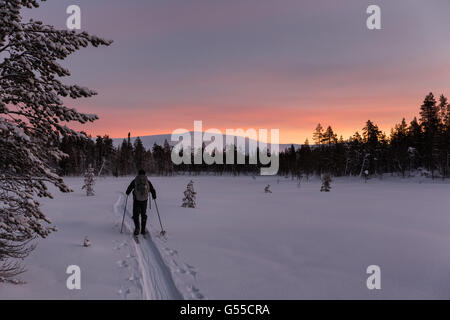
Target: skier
141 188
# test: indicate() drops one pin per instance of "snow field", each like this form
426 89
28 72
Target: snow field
242 243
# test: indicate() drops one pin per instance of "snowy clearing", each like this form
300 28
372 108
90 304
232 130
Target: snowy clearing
241 243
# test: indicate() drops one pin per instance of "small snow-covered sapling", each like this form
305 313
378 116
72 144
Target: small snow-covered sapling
189 200
89 181
326 181
86 242
366 175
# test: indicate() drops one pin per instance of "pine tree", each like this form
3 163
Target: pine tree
318 134
33 118
400 146
328 150
126 163
306 159
443 109
189 200
371 137
105 155
441 141
292 161
371 134
326 183
89 181
130 168
167 158
445 145
429 121
329 137
158 157
139 154
429 114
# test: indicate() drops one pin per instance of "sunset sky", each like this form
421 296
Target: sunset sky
281 64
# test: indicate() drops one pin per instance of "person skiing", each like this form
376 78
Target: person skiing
141 188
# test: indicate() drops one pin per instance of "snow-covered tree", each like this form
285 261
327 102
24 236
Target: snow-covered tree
189 196
366 175
299 179
33 119
326 183
89 181
86 242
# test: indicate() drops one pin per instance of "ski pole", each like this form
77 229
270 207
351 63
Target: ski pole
159 217
124 211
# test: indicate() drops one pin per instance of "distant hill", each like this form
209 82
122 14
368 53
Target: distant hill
159 139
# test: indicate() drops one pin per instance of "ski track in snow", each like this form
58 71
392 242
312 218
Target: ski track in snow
151 273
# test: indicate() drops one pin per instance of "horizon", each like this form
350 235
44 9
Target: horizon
133 137
309 138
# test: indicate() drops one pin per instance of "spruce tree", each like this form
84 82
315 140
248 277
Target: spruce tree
443 109
189 200
429 121
400 146
89 181
139 154
306 159
371 138
158 157
429 115
126 162
167 158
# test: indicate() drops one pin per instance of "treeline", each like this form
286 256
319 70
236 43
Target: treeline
129 157
101 154
423 144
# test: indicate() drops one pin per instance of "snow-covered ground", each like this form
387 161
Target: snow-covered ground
241 243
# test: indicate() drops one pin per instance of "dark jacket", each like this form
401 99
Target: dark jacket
131 188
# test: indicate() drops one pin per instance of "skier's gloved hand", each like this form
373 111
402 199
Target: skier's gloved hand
154 197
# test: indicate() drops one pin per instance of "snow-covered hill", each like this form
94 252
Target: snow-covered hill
159 139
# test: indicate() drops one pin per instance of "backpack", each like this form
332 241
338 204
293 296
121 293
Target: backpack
141 188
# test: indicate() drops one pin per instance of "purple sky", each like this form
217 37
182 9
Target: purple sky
285 64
